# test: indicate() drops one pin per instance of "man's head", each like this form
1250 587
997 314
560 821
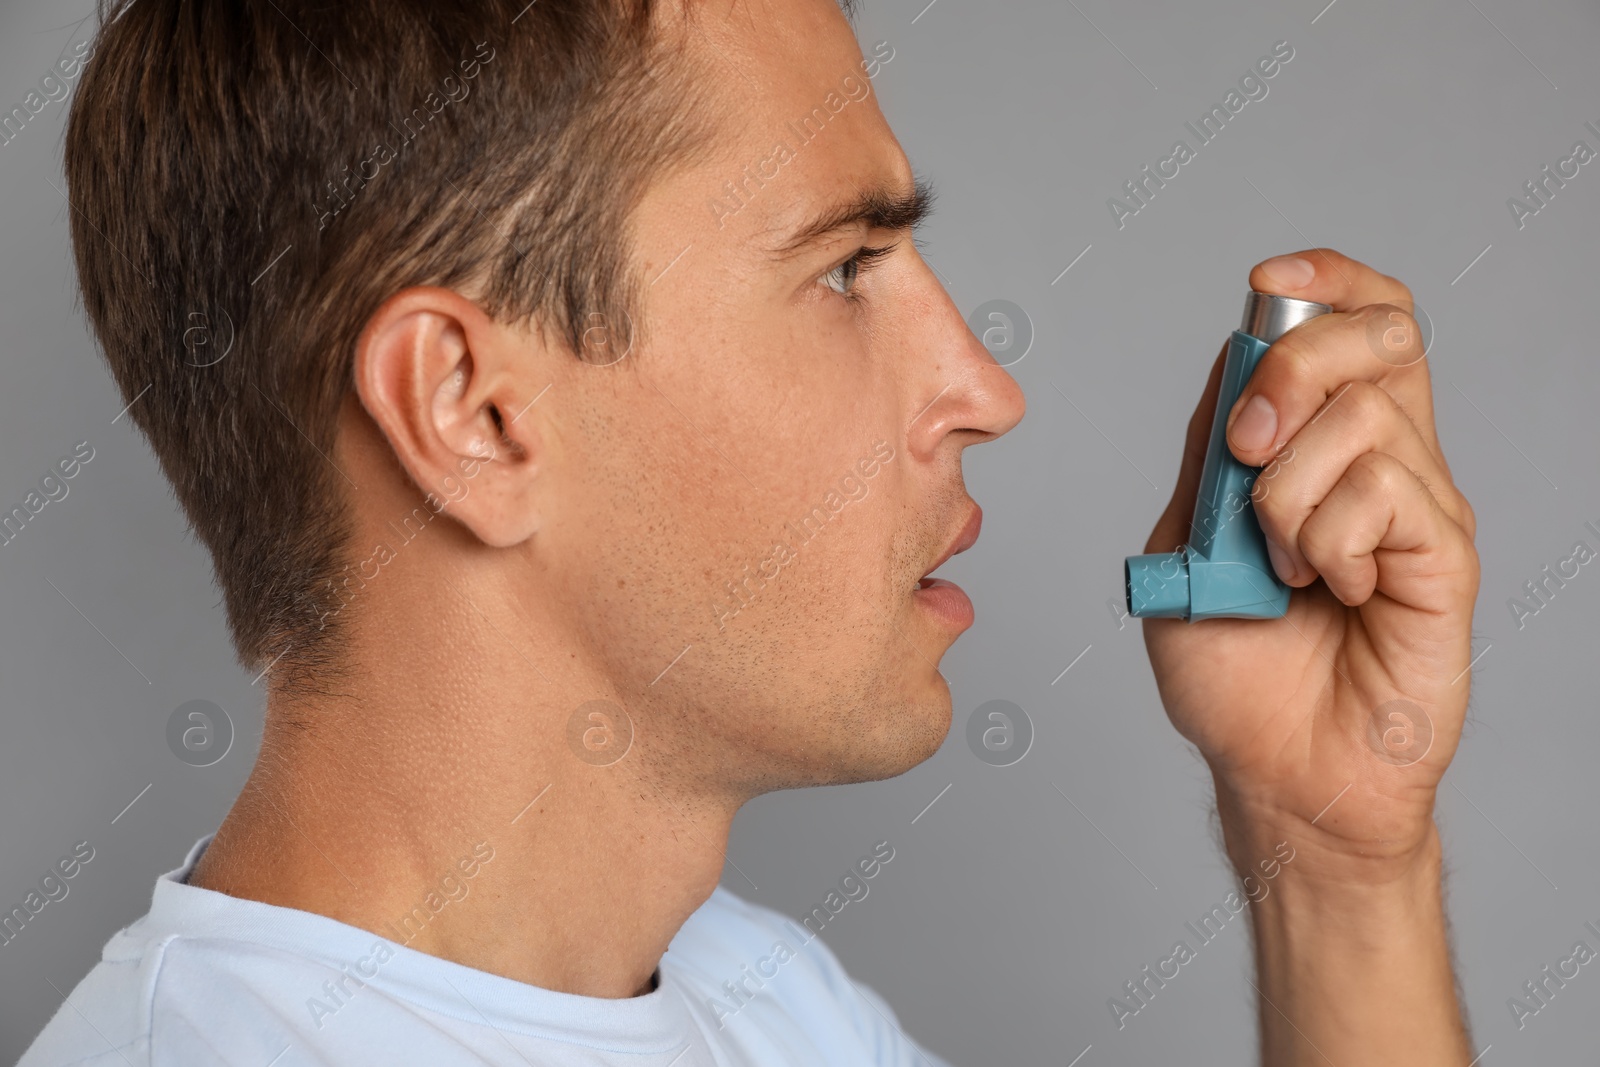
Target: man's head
567 389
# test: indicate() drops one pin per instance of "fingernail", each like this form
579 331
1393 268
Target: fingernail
1256 424
1289 272
1280 561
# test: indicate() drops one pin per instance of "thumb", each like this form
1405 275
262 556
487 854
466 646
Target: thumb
1172 529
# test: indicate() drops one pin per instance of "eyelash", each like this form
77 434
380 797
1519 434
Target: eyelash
863 261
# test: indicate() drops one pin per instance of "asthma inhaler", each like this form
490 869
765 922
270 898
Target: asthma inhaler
1223 572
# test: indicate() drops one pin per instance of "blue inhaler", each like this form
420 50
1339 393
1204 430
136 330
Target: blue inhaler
1223 572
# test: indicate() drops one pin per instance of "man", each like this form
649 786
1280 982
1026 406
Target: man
590 432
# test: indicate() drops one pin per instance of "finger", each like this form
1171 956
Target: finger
1172 529
1359 419
1392 338
1316 359
1328 277
1380 530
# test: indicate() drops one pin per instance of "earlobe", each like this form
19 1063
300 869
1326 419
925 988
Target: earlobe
438 377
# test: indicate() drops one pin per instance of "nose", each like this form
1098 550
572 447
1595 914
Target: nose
960 388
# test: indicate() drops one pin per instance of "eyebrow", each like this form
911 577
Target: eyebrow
880 208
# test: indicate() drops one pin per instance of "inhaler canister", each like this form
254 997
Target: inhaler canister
1223 572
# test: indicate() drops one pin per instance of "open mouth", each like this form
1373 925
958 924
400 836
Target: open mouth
944 599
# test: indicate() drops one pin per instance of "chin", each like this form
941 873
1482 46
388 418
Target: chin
907 735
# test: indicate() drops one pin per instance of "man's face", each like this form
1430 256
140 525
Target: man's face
747 500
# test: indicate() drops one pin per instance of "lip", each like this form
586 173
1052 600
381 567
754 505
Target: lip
964 539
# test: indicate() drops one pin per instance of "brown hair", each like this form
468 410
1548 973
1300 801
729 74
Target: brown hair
250 179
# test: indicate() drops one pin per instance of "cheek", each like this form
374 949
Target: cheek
682 480
650 523
643 499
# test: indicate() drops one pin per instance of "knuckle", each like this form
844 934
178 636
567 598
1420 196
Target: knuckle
1320 544
1393 333
1377 473
1271 474
1460 575
1368 403
1272 513
1402 291
1281 517
1473 574
1469 517
1290 358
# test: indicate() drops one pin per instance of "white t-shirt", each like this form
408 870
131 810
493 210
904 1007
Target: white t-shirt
205 979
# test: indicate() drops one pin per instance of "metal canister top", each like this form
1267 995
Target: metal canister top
1268 317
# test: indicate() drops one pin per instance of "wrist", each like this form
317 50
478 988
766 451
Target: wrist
1381 912
1403 858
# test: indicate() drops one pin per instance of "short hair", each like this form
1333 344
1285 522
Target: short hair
251 179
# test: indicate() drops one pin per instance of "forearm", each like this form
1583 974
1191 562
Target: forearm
1352 957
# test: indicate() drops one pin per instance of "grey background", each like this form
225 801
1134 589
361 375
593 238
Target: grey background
1006 919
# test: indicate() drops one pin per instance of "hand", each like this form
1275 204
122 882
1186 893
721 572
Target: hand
1369 528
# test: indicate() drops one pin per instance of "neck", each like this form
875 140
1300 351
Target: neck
433 813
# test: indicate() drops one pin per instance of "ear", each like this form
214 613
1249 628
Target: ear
449 388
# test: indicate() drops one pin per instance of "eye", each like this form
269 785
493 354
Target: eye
842 279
